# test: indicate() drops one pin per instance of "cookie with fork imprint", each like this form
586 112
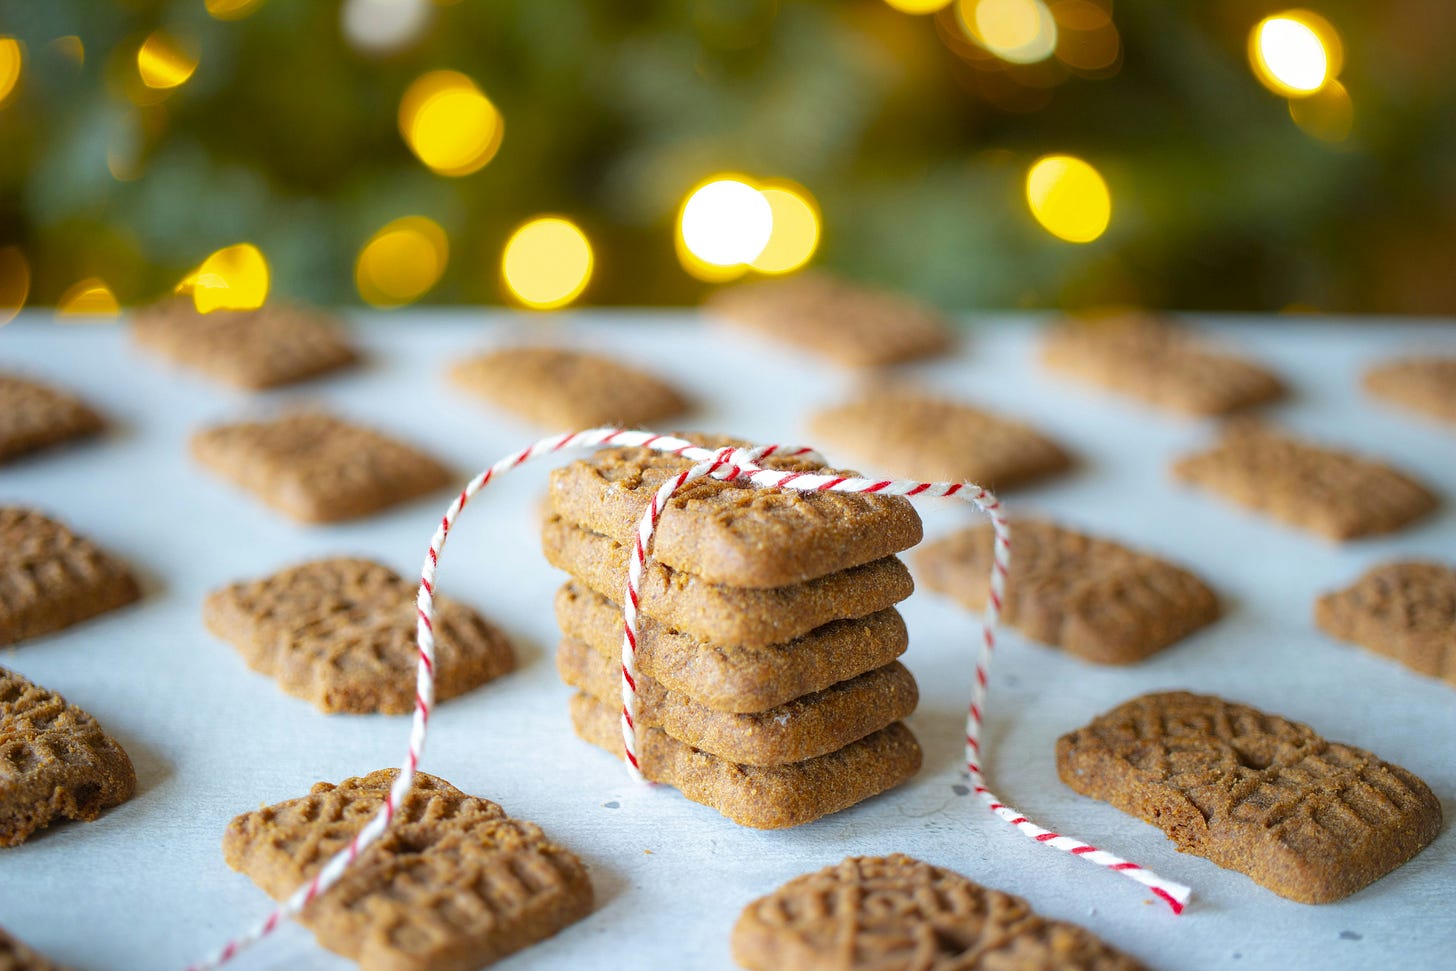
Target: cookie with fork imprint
340 633
55 761
36 416
1309 819
897 913
453 884
1406 611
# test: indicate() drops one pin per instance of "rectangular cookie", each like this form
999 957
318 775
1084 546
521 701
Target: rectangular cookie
316 468
1309 819
804 728
721 614
1094 598
564 390
50 578
15 956
1336 494
1406 611
247 349
920 436
35 416
340 633
839 321
55 761
454 884
1426 385
733 533
757 796
731 677
1158 363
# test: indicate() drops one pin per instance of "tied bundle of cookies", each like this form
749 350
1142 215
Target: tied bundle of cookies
768 683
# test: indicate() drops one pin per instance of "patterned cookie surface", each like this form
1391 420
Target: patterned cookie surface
837 320
249 349
1406 611
732 532
1158 363
759 796
50 578
723 614
55 761
15 956
1423 384
316 468
730 677
1311 820
918 436
1336 494
340 633
453 884
35 416
562 390
1092 597
896 913
803 728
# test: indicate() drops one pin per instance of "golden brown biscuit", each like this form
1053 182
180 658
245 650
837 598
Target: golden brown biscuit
15 956
35 416
1421 384
1406 611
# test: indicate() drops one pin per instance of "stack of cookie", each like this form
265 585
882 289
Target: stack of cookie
769 687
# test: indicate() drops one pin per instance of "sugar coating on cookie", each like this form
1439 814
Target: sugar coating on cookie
1309 819
55 761
247 349
1094 598
564 390
1336 494
316 468
1406 611
842 322
921 436
36 416
897 913
50 578
452 885
1158 363
340 633
1426 385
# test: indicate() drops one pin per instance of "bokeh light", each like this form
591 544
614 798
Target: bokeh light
12 57
1328 114
1087 39
725 221
90 297
163 62
1295 52
547 263
449 124
383 26
233 278
401 262
918 6
70 47
14 282
1017 31
1069 198
232 9
794 235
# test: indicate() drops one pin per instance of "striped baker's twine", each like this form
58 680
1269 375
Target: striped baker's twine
725 464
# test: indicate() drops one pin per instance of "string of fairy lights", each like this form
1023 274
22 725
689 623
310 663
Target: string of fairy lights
729 224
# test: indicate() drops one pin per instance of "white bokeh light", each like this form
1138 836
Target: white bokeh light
726 222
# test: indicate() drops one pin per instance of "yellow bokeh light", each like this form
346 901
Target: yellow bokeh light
14 282
90 297
795 232
401 262
918 6
725 221
233 278
1295 53
1069 198
1328 114
12 56
449 124
163 62
547 263
71 47
1017 31
232 9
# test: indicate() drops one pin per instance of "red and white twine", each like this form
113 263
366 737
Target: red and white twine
726 464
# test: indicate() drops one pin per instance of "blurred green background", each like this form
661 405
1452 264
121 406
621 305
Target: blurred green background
913 137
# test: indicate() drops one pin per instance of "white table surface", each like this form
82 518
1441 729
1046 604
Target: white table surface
146 887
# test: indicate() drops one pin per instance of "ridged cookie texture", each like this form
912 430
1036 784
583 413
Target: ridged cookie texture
1309 819
36 416
1406 611
452 885
897 913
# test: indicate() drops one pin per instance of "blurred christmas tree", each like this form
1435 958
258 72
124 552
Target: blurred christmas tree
139 137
